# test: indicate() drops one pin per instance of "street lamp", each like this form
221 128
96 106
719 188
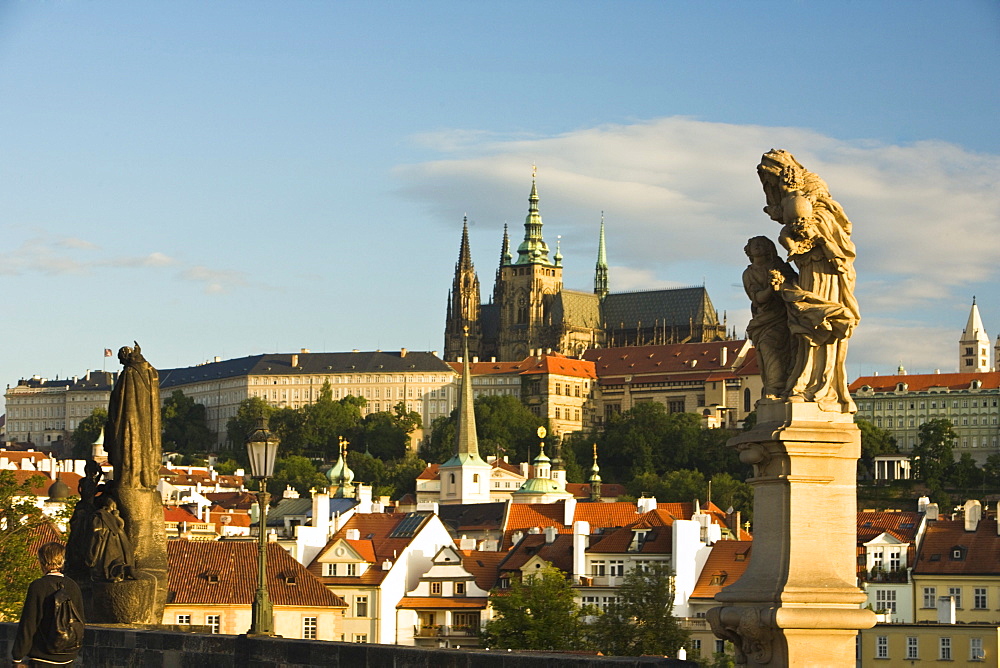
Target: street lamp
261 449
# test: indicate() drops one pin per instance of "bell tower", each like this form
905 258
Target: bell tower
974 346
530 285
463 304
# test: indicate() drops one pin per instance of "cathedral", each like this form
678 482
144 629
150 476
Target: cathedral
530 310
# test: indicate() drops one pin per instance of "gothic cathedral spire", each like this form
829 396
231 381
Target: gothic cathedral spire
463 303
601 271
533 250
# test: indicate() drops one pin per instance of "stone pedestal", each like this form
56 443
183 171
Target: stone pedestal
797 604
142 511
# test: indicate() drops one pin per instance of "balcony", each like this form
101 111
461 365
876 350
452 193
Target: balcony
899 576
695 624
445 631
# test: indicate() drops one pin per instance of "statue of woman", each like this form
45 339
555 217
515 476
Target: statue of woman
817 235
133 435
110 555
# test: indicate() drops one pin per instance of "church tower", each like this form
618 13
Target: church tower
601 271
974 346
463 304
530 284
465 478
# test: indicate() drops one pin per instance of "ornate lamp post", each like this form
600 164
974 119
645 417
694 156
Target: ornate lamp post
261 449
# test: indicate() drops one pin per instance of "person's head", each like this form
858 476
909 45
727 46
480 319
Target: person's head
51 557
761 247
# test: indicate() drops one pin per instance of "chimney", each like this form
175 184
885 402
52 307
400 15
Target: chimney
973 513
295 361
402 352
475 359
931 512
353 534
321 511
516 537
304 351
946 610
723 356
922 504
581 536
646 504
550 535
216 359
569 510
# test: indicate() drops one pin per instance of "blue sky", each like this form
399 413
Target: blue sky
235 178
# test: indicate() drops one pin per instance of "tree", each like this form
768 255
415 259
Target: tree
932 455
640 620
539 614
239 426
504 426
441 445
185 425
875 441
87 432
18 517
299 472
964 474
387 435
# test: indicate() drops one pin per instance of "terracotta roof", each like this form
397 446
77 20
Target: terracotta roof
16 456
223 517
177 514
978 551
195 565
43 533
483 566
234 500
924 381
375 545
430 473
552 363
41 490
658 539
441 603
901 525
672 359
726 563
559 552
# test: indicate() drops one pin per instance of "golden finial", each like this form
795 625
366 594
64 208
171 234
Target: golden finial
595 451
534 170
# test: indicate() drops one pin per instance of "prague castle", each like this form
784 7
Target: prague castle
531 311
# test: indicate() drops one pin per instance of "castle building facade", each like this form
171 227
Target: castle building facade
531 312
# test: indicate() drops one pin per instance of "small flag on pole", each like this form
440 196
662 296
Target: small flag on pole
107 352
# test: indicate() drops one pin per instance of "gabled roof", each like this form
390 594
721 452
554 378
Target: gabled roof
726 563
920 382
979 549
483 566
559 552
233 500
225 572
901 525
177 514
43 533
383 537
657 523
473 517
280 364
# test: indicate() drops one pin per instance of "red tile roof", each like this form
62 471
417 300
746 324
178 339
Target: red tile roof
553 363
658 541
671 360
979 550
559 552
483 566
375 546
234 500
234 563
41 534
41 489
726 563
901 525
441 602
924 381
177 514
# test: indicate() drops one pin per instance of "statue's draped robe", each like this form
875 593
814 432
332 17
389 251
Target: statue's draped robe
134 424
822 309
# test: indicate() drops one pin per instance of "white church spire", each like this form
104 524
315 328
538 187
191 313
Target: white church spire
974 346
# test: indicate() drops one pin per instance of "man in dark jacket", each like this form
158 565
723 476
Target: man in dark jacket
32 646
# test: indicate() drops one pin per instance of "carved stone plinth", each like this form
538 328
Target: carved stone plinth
797 604
142 511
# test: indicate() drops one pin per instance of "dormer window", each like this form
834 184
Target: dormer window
212 578
719 578
290 580
958 553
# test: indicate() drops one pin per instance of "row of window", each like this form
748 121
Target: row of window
976 652
912 405
902 422
340 380
214 623
694 647
980 601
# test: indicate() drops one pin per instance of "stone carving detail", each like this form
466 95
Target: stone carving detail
110 555
802 320
748 628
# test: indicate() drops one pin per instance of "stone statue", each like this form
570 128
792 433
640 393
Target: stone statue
134 422
768 328
110 553
821 307
117 546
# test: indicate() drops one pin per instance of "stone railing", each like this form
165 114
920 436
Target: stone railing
126 647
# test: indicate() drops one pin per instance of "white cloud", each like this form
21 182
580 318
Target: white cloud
681 196
215 281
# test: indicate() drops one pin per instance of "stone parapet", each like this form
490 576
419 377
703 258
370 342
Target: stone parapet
122 647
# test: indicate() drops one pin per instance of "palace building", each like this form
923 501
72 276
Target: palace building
530 310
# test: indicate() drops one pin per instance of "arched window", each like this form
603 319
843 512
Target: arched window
452 478
746 400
